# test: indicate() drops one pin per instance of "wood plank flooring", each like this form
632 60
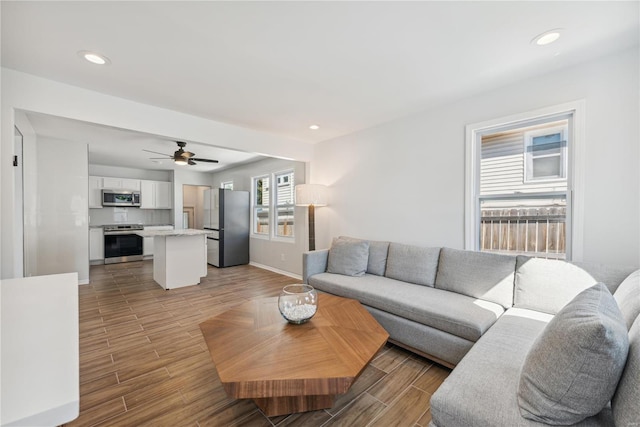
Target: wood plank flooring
143 360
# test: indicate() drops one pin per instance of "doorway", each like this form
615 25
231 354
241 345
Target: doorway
18 203
193 205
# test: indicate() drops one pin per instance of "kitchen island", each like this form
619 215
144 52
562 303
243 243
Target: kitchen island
179 256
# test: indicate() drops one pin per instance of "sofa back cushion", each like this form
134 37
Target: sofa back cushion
572 369
628 298
626 410
412 264
378 251
479 275
548 285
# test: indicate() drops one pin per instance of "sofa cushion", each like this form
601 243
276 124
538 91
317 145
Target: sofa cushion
412 264
625 403
450 312
348 257
573 368
481 389
477 274
628 297
378 251
548 285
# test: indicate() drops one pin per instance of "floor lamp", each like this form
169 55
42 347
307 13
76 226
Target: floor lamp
311 195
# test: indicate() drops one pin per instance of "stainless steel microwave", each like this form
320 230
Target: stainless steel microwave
120 198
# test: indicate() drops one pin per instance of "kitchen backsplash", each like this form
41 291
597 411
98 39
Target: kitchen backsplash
106 216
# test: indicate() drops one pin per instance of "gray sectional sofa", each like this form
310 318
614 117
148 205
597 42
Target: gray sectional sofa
486 315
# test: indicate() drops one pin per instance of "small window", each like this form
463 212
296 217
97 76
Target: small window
261 202
284 209
226 185
545 154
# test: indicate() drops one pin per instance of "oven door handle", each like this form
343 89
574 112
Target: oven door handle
119 233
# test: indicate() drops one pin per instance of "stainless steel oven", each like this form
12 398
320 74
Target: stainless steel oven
121 244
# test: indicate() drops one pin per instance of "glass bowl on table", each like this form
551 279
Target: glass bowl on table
298 303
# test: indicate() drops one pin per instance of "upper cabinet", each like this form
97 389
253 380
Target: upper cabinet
122 183
155 195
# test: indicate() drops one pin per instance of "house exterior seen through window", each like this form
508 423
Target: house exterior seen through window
522 197
285 204
261 201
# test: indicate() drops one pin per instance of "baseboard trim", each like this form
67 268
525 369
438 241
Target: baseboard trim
276 270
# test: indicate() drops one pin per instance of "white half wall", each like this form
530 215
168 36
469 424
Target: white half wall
403 181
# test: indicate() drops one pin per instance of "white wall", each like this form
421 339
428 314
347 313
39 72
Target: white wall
30 93
404 181
265 252
62 214
133 173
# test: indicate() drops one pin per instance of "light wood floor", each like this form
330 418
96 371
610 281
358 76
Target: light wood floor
143 360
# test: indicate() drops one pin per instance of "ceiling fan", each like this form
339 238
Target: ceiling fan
182 157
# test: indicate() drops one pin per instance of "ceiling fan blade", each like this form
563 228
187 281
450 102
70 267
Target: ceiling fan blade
191 162
204 160
155 152
159 158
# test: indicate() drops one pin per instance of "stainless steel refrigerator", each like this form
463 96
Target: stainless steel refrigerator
227 215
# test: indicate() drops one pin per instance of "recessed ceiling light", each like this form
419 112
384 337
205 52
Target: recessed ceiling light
94 57
547 37
314 127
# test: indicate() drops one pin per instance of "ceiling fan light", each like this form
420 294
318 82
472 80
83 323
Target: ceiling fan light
181 162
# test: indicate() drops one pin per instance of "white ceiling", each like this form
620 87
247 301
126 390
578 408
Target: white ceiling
279 67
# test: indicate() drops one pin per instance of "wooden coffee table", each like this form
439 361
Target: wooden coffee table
289 368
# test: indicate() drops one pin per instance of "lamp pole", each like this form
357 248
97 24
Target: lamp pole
312 227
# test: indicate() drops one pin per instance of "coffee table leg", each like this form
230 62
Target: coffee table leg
272 406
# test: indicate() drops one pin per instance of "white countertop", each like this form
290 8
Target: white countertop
166 233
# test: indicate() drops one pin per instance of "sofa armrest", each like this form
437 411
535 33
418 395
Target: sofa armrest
314 262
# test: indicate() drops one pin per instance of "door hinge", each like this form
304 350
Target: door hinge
15 160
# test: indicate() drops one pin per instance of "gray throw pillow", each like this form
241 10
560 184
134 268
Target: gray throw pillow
573 367
348 257
377 255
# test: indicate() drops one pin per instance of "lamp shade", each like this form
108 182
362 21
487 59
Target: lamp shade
311 194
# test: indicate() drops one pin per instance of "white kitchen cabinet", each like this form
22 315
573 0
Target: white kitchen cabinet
96 244
147 242
155 194
163 195
95 192
147 194
121 183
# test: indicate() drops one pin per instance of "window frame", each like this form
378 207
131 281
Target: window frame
529 156
226 185
272 207
255 207
275 205
575 111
